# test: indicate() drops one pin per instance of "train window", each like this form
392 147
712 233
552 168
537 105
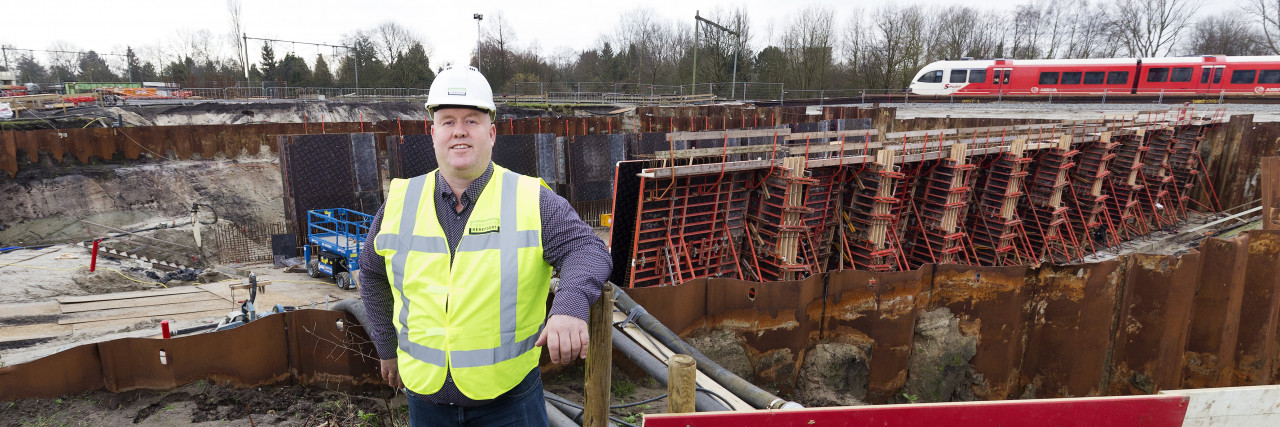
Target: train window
995 77
1006 76
1093 77
977 76
931 77
1071 78
1180 75
958 76
1217 74
1117 77
1204 76
1243 77
1049 78
1157 75
1269 76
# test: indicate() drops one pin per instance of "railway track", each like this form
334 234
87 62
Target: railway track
1046 99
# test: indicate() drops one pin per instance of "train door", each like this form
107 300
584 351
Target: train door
1211 78
1000 80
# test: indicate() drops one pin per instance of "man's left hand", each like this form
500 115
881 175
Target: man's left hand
565 337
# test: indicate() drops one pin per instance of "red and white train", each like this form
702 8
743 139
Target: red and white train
1239 75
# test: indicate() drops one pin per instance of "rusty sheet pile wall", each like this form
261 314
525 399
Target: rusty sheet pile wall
209 141
318 348
1133 325
786 204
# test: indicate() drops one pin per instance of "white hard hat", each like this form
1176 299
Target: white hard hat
461 86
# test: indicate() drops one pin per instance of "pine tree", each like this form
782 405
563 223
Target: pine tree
321 76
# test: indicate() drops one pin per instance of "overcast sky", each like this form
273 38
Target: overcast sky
448 27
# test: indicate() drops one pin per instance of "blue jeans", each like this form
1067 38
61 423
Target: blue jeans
523 405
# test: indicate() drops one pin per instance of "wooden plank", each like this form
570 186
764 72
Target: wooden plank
34 332
139 302
833 134
721 134
920 133
129 295
708 168
714 152
142 312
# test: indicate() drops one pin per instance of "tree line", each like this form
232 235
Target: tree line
815 48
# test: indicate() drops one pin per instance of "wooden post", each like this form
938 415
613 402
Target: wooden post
1271 193
682 377
599 360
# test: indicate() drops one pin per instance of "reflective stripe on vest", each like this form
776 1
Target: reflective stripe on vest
508 240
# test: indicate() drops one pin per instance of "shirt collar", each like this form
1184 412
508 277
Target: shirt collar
472 192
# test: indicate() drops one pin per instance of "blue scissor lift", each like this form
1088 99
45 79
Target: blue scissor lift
335 236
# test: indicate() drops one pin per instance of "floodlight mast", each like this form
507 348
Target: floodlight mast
478 17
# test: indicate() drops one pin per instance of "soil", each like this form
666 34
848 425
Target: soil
203 403
833 374
723 347
939 368
38 209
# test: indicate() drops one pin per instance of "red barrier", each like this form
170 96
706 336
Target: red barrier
1162 410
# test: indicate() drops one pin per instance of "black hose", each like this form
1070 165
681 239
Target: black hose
557 418
574 410
193 329
755 396
658 370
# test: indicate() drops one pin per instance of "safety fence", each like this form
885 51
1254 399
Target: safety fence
240 244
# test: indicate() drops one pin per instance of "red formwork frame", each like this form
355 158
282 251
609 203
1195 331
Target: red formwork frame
945 192
686 228
874 206
1088 193
1124 185
994 225
732 223
775 217
1045 209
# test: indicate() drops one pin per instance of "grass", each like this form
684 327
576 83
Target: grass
623 388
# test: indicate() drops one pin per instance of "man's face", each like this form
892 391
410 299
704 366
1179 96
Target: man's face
463 140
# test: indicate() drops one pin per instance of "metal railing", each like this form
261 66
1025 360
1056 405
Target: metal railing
613 93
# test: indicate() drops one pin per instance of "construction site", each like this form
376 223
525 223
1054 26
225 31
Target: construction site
166 263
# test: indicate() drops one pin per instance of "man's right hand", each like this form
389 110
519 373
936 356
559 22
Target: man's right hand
390 372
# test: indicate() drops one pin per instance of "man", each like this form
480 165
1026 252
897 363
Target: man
455 274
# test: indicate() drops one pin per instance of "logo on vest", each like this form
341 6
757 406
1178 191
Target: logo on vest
484 226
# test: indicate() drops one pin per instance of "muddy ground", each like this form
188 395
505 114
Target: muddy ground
203 403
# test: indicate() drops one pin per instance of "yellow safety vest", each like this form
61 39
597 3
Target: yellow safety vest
479 317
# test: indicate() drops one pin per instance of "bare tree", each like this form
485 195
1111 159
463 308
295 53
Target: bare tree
898 45
237 31
1151 27
809 43
1088 31
1028 29
64 61
855 49
1268 14
1225 34
498 45
393 40
960 31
